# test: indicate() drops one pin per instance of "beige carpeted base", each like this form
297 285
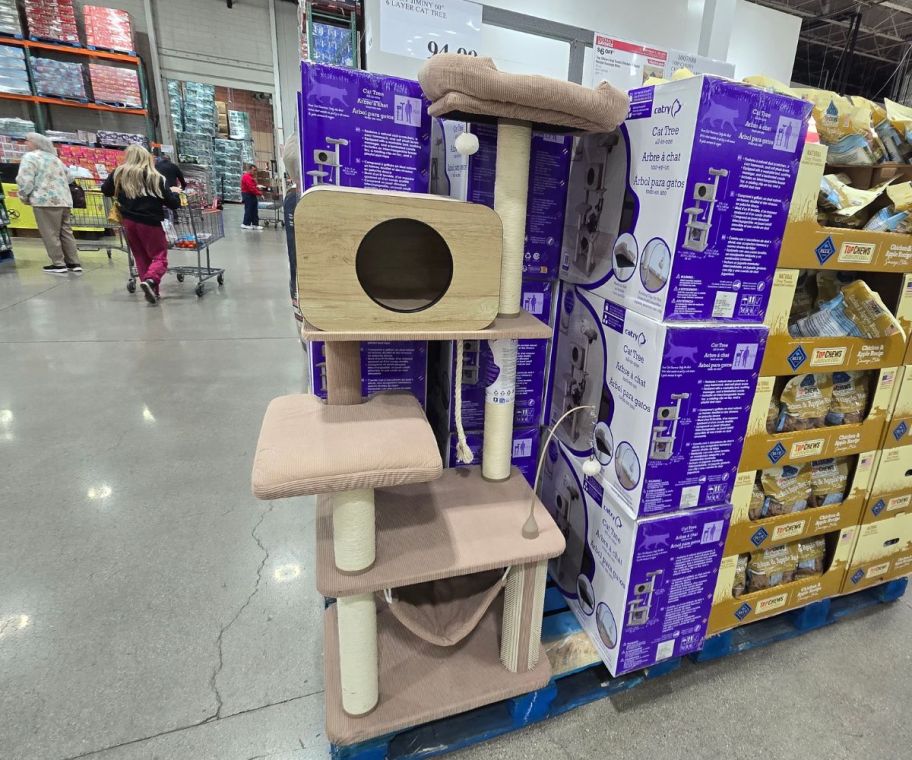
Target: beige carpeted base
420 682
523 325
455 525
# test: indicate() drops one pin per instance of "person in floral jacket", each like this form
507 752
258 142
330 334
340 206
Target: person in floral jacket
45 186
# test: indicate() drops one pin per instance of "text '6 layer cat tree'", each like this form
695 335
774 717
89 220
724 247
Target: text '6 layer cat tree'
417 557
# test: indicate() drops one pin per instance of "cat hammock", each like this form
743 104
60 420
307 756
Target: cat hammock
459 584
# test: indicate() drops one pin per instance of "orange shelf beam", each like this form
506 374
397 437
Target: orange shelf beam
103 54
71 103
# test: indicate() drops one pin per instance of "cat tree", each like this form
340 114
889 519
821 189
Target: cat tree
442 553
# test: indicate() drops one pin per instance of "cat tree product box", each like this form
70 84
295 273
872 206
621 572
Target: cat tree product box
764 449
386 365
671 400
524 456
882 552
641 588
363 130
679 214
471 178
891 486
747 533
730 611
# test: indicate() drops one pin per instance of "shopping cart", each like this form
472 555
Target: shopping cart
94 219
272 203
194 227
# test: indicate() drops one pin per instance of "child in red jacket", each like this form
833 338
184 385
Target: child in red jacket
250 192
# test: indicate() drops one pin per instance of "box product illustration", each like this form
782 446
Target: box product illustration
782 504
817 416
826 321
891 485
525 449
883 551
640 588
672 400
679 214
385 366
363 130
767 582
538 299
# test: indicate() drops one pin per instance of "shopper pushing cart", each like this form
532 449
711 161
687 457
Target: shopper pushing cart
250 193
141 196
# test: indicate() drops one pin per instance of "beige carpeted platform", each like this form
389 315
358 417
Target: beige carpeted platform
309 447
420 682
524 325
455 525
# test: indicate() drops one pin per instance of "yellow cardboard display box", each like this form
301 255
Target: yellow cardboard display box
891 485
898 430
882 551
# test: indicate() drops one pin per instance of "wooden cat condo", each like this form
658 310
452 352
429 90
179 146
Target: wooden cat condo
439 593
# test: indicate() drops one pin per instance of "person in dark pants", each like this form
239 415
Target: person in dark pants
291 159
250 193
174 177
142 195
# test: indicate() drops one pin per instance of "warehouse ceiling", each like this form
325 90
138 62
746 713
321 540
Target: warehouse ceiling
882 32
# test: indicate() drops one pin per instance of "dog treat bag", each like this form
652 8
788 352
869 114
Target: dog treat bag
829 478
804 402
803 301
867 310
757 505
740 575
772 416
786 489
830 284
811 557
849 398
772 567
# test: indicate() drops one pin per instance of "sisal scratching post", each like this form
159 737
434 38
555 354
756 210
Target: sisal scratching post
500 395
511 187
343 372
524 602
357 616
354 540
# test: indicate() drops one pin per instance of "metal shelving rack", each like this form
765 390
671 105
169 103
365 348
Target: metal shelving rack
341 13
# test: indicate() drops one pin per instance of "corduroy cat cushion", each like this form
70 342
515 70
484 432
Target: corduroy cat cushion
309 447
469 86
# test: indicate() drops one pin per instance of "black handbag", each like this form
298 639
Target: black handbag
79 195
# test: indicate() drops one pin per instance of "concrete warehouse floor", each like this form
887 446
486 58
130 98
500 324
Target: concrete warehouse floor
150 607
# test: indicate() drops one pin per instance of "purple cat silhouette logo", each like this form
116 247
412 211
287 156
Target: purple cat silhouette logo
657 541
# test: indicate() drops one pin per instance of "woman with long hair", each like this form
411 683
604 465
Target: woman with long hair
142 194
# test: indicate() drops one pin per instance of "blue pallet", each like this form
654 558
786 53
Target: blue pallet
111 50
51 41
593 682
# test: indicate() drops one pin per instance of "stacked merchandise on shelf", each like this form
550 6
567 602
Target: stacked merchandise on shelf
61 79
473 180
248 152
14 76
56 135
228 169
238 125
195 149
200 182
99 161
16 127
108 28
11 149
53 20
112 139
332 45
115 85
386 365
10 23
176 105
659 331
221 113
199 113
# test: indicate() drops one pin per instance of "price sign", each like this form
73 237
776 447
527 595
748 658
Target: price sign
424 28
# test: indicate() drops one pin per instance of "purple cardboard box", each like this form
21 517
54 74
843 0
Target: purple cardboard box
671 400
363 130
641 588
385 366
525 450
680 213
538 298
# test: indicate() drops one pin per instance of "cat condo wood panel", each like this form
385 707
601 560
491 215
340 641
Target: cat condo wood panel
370 259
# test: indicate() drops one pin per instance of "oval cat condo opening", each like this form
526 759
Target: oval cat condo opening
404 265
398 262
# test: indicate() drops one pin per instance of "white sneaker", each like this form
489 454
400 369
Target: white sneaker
246 226
256 226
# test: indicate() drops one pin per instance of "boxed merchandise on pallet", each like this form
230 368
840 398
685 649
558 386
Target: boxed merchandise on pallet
61 79
199 108
108 28
898 430
53 20
16 127
11 149
115 85
882 551
195 148
890 493
671 399
10 23
238 125
228 168
176 105
14 76
640 588
99 161
680 213
120 139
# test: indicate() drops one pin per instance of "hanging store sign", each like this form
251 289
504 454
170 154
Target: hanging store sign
424 28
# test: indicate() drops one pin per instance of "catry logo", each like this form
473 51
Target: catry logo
638 337
673 108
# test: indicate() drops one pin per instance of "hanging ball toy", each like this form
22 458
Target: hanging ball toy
467 144
591 467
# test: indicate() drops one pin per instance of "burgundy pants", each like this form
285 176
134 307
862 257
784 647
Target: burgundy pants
150 249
